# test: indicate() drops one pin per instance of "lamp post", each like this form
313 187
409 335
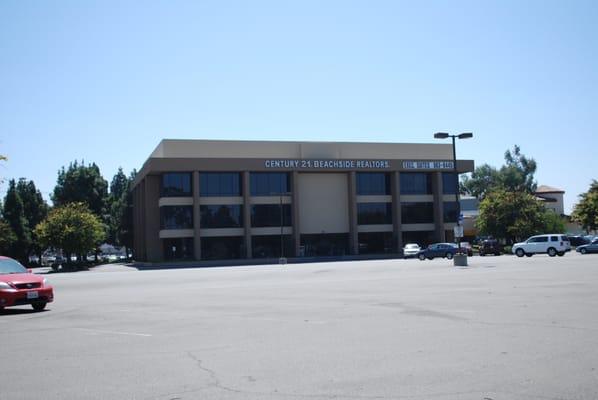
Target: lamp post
282 260
465 135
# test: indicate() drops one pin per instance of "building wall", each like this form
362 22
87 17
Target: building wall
323 203
322 200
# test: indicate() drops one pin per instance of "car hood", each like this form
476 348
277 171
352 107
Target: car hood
519 244
21 278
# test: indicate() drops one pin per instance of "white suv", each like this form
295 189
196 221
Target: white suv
553 245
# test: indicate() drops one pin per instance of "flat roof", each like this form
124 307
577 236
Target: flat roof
197 149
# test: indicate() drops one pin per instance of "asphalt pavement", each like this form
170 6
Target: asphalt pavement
502 328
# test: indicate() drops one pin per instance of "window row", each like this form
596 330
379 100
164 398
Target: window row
225 184
270 215
225 216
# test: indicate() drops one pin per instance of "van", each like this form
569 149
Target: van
551 244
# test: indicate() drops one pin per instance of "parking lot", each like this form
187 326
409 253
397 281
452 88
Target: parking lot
502 328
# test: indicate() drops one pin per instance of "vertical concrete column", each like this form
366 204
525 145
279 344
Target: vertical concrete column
153 243
353 235
295 212
438 206
397 231
196 216
247 213
142 221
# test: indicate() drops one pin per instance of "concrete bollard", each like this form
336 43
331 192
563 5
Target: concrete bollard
460 260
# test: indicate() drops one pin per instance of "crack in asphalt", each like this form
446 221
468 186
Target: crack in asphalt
216 384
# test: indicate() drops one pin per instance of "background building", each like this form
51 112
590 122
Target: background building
208 200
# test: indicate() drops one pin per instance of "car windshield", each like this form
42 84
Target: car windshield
8 266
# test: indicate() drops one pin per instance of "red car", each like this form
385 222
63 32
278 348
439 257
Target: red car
18 286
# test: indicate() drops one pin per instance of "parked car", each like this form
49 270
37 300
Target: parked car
18 286
551 244
578 240
490 246
588 248
446 250
466 248
411 250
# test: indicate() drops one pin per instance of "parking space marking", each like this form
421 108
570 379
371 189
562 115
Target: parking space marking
99 331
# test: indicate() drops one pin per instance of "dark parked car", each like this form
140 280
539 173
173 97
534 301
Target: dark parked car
490 246
578 240
446 250
588 248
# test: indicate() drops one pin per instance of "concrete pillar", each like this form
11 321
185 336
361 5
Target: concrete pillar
295 212
247 213
397 231
438 206
353 235
153 244
196 216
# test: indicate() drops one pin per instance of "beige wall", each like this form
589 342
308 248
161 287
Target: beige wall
323 203
171 148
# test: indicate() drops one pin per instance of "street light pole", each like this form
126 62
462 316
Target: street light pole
467 135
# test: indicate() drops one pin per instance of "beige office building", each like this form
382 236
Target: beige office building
226 200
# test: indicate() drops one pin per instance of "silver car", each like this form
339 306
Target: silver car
411 250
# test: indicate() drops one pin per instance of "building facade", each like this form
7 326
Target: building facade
223 200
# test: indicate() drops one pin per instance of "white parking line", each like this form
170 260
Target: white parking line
113 332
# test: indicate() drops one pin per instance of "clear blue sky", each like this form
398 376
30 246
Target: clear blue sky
105 81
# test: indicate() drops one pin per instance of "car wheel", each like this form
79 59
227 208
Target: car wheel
449 255
560 253
520 252
551 252
421 257
583 250
39 306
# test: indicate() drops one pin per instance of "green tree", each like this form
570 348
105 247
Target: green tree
553 223
7 238
511 215
585 211
35 209
13 213
81 183
120 220
71 227
517 174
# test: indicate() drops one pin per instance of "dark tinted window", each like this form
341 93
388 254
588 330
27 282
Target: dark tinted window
450 211
269 246
448 182
554 238
416 183
220 184
176 217
423 238
222 248
269 183
176 184
178 249
265 215
374 213
221 216
375 242
373 183
417 213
